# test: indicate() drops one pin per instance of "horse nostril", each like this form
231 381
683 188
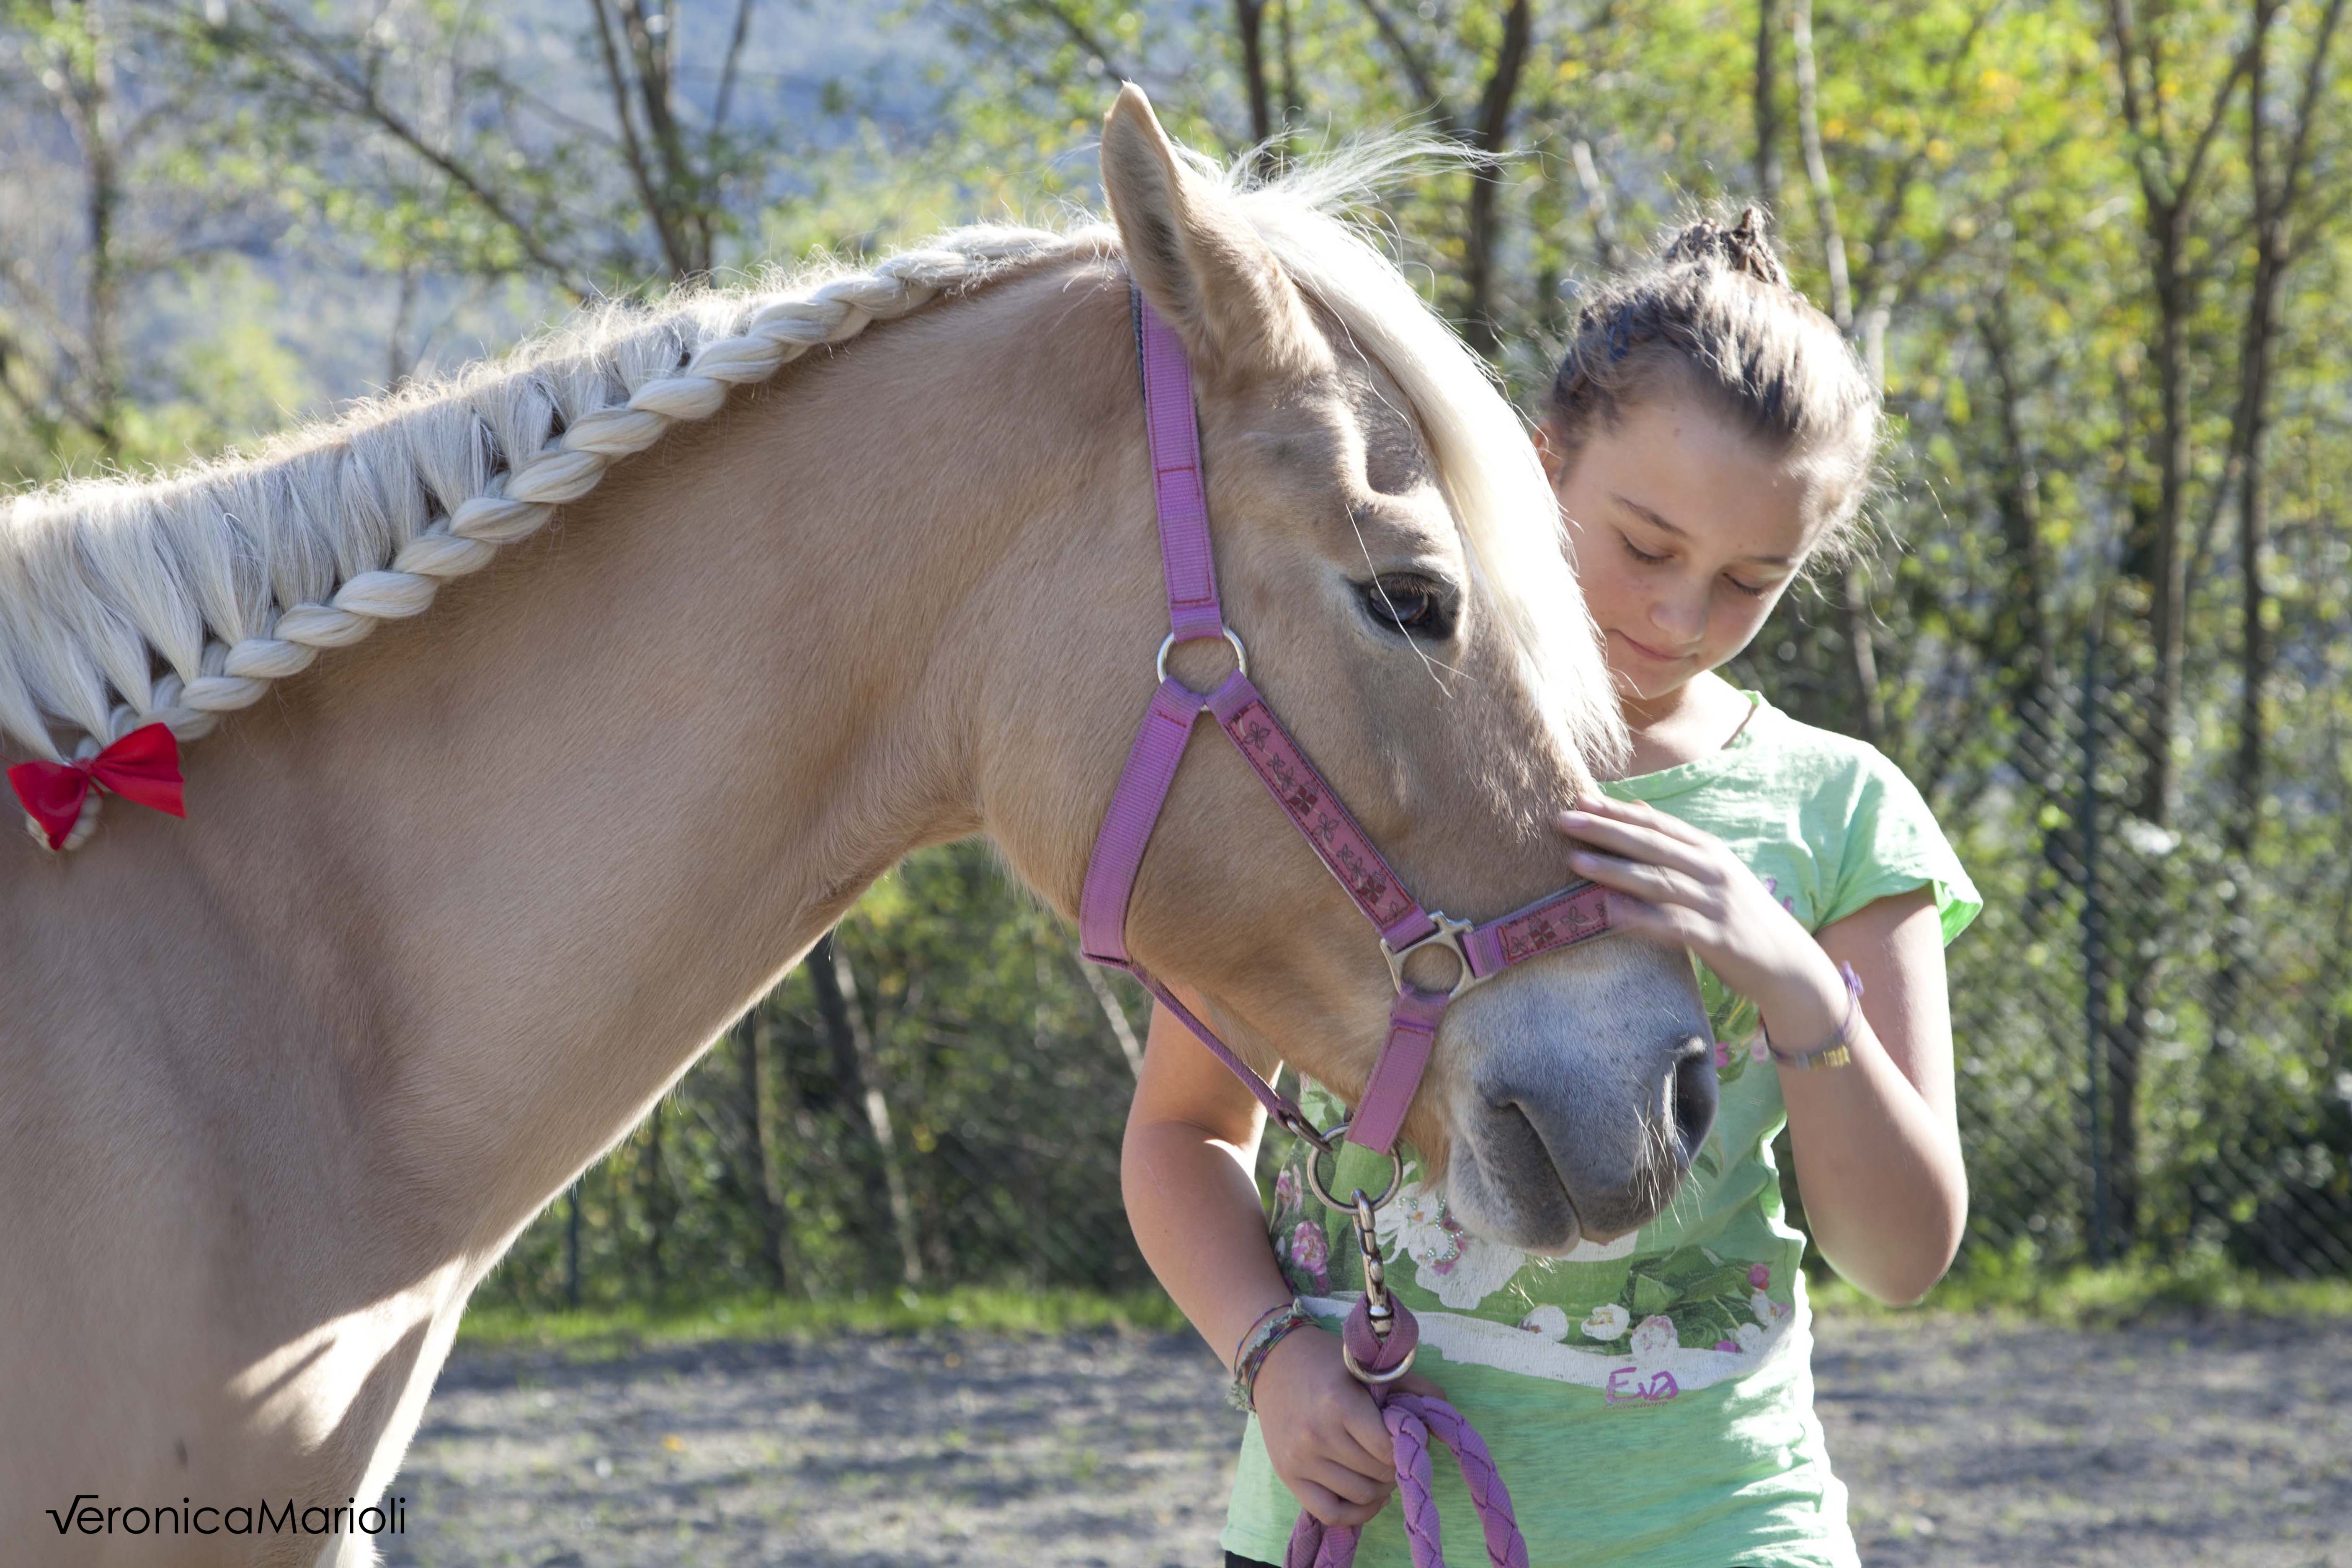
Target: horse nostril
1693 1093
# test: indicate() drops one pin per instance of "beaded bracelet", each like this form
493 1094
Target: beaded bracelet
1840 1048
1272 1328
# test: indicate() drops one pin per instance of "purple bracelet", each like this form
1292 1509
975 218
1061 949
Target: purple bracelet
1273 1326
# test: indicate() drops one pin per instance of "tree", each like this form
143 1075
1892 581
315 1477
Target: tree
142 194
493 172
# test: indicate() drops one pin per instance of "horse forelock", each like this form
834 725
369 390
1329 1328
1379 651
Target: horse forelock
1483 456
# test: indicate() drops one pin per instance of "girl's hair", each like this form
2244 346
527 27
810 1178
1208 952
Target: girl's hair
1715 314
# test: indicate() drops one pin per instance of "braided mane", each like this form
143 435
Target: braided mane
175 600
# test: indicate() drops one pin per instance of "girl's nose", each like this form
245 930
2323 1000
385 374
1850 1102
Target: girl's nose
1679 620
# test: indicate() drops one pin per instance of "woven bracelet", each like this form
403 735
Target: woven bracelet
1840 1048
1268 1332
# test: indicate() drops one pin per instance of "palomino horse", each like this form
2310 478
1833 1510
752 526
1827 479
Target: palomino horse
279 1082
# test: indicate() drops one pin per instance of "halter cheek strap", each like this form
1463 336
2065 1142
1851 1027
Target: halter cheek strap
1573 915
1380 1335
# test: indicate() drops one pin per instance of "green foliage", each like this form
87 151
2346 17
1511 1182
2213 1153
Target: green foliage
2047 328
601 1334
2019 1282
1005 1098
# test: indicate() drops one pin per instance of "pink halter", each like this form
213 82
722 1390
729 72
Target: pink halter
1574 914
1380 1336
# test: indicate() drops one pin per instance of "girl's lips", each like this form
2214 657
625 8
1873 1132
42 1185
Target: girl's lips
1646 651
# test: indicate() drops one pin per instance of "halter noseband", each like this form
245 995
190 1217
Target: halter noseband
1573 915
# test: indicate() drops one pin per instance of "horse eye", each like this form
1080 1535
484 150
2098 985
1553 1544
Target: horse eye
1413 605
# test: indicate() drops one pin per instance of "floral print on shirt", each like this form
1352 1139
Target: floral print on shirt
1663 1303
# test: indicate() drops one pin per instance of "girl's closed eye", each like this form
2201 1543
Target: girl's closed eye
1752 589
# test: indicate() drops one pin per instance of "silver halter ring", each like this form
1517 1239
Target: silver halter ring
1315 1171
1360 1375
1241 653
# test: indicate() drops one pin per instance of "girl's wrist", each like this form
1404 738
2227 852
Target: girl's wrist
1836 1050
1273 1326
1808 1006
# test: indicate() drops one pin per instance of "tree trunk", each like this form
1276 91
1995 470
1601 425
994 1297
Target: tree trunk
2169 173
1292 104
572 1244
1482 220
1817 166
2169 564
660 1202
1114 1014
1597 202
2253 528
2020 652
845 1020
1249 29
1768 28
2276 187
2098 1029
82 81
1868 720
753 1043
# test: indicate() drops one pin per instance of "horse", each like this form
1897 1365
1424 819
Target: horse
736 601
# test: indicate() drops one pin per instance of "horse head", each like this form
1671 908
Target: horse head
1390 559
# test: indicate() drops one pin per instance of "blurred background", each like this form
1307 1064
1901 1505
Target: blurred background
2096 252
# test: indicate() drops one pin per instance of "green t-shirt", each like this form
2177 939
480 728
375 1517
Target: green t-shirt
1648 1400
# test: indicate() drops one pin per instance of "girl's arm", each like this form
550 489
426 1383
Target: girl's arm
1878 1141
1186 1172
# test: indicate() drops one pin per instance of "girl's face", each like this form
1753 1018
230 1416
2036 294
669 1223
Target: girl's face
1685 531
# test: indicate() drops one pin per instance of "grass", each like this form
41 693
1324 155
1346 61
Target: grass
621 1329
2008 1286
2015 1285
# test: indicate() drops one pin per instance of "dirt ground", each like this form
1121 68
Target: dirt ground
1964 1442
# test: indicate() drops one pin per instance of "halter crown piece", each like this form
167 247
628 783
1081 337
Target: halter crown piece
1380 1335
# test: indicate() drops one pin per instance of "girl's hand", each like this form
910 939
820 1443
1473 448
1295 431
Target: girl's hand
1683 887
1877 1142
1322 1430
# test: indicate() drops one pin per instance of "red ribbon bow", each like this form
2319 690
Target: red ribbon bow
143 766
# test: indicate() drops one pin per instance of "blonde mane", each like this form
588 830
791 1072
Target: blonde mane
175 600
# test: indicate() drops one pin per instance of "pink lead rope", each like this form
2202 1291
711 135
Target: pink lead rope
1381 1335
1413 1419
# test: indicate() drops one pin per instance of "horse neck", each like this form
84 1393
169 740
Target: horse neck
545 851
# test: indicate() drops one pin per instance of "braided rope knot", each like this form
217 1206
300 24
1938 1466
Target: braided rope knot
1413 1419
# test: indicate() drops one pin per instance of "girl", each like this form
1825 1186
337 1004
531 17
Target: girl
1708 435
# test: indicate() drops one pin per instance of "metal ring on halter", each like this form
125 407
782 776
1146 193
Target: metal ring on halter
1448 934
1332 1147
1241 653
1294 1122
1356 1372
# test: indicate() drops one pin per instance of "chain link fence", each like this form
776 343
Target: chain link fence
934 1098
2150 1022
2152 1026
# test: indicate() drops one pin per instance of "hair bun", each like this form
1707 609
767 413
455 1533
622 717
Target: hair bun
1745 246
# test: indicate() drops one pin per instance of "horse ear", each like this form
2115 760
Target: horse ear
1198 260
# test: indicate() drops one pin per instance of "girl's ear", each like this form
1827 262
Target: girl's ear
1548 452
1197 261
